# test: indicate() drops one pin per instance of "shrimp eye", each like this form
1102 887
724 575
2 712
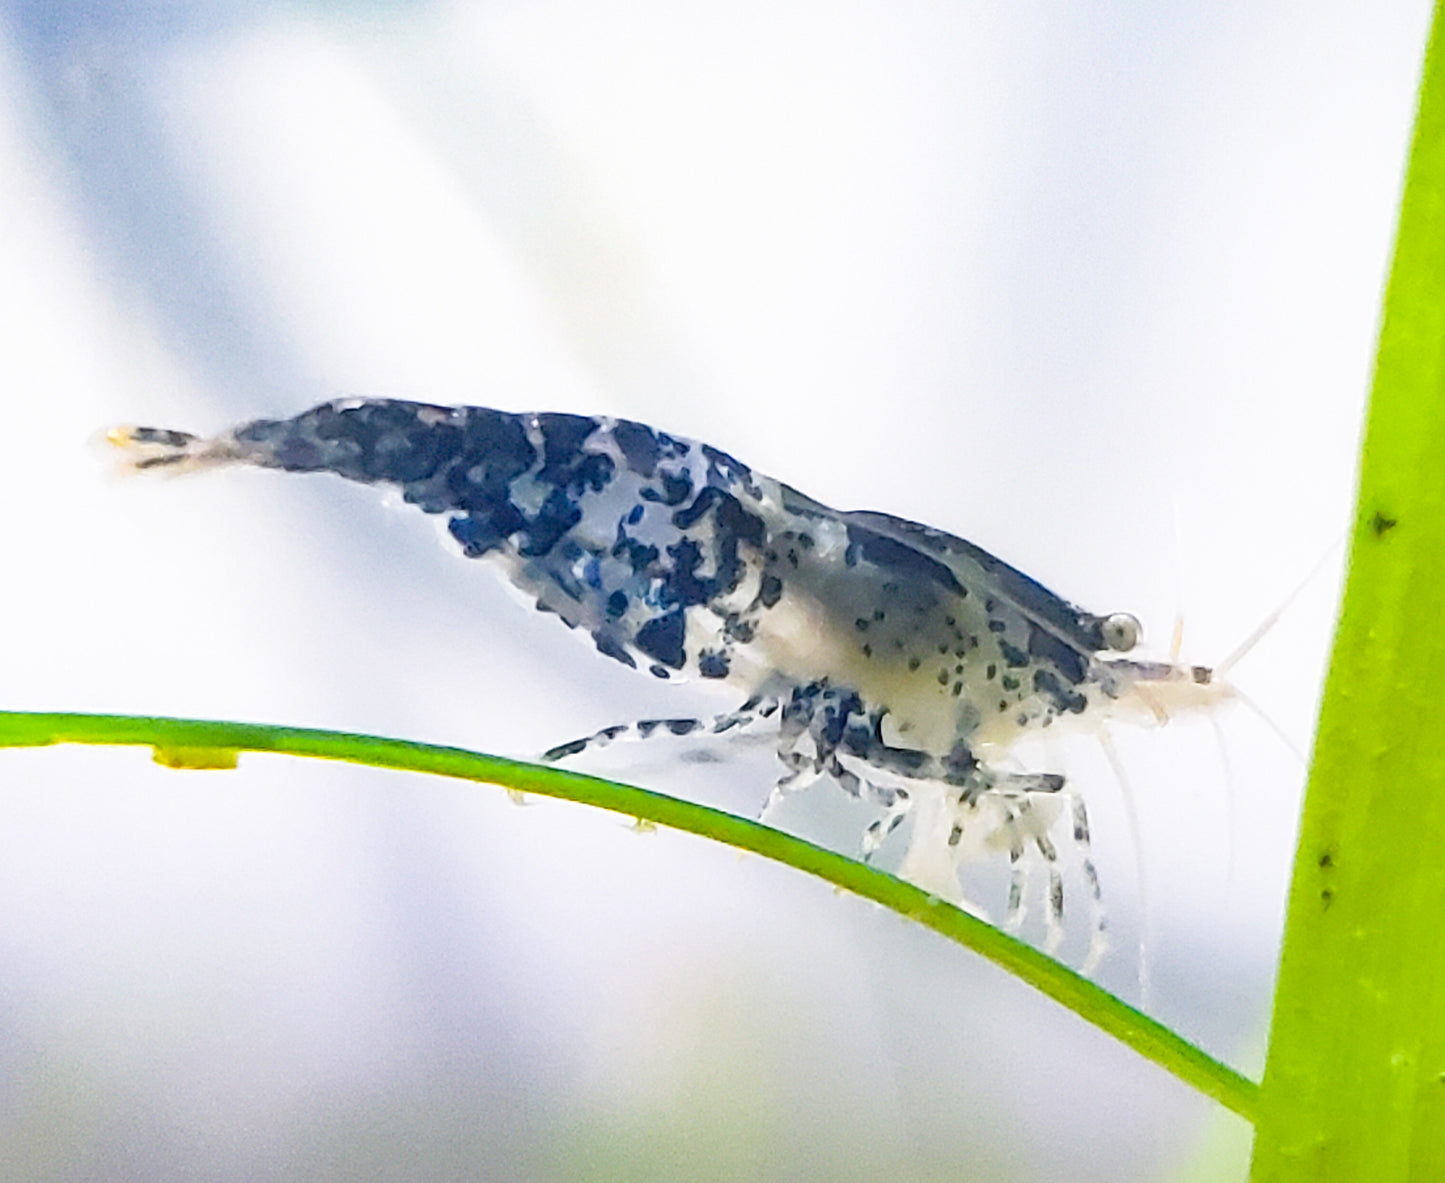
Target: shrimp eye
1121 632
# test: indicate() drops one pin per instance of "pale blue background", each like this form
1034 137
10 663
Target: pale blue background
1093 285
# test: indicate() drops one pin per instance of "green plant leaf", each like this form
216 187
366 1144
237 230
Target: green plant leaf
1354 1085
177 741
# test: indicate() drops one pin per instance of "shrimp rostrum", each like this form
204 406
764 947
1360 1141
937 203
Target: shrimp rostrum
898 660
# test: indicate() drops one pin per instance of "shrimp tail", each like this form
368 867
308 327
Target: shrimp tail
147 449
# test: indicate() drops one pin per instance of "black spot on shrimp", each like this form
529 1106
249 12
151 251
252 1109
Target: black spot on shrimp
610 646
1013 656
1047 683
486 529
662 638
639 446
559 513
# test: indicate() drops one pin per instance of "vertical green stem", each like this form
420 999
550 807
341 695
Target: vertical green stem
1354 1087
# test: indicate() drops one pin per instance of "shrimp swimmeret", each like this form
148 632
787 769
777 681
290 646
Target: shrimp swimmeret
900 661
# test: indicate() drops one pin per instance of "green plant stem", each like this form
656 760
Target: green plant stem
1354 1086
194 743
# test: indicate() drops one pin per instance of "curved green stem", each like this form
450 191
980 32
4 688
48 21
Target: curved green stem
197 743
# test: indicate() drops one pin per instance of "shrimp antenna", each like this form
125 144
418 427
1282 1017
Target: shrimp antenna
1231 800
1176 636
1243 649
1263 716
1136 840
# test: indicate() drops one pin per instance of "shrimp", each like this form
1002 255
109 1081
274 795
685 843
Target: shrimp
899 661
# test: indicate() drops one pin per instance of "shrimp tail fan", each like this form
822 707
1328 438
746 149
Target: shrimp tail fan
158 449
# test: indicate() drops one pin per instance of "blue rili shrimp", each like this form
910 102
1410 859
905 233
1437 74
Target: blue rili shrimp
898 660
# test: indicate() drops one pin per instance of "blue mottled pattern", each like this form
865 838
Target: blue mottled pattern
893 658
619 529
678 559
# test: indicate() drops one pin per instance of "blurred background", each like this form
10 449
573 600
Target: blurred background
1093 286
